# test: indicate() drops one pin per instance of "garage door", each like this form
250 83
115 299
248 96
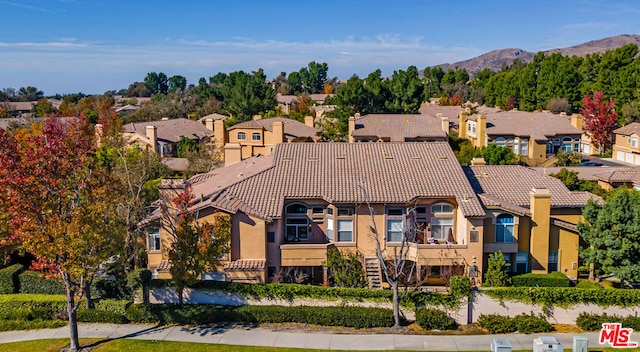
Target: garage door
620 156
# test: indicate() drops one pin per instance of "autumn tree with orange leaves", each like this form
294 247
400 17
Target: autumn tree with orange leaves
196 245
599 120
61 205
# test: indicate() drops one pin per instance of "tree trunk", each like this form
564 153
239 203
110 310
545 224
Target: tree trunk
181 295
87 294
396 305
73 322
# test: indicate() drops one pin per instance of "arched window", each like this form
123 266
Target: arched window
242 136
504 228
255 136
442 222
297 223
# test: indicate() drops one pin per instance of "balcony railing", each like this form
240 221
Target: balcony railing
303 254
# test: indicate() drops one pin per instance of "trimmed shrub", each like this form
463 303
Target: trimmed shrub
530 323
140 313
496 324
30 310
434 319
460 286
113 306
554 279
12 325
100 316
9 279
593 322
109 289
31 282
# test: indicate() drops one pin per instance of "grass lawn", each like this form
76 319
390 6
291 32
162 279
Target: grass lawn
54 345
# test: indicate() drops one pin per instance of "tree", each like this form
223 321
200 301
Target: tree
29 93
62 204
177 82
494 154
497 267
599 119
399 267
572 158
44 108
558 105
406 92
575 183
247 94
612 234
138 89
345 270
196 246
157 83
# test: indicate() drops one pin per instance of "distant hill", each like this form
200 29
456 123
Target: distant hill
496 58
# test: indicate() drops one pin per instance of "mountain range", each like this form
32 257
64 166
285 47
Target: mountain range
494 60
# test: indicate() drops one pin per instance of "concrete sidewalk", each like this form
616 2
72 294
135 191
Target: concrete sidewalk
263 337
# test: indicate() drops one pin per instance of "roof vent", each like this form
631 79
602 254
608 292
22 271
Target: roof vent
286 158
442 158
416 158
312 158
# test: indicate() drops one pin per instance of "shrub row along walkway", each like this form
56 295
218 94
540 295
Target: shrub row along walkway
253 336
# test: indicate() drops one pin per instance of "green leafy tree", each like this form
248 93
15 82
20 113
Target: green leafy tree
196 246
186 145
29 93
406 92
157 83
574 183
612 234
177 82
246 95
345 270
497 155
571 158
44 108
497 271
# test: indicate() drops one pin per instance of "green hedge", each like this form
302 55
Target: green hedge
523 323
32 282
100 316
434 319
355 317
291 291
593 322
566 296
9 278
555 279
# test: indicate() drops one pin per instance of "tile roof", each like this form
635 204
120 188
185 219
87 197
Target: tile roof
246 264
21 105
398 128
584 172
536 125
213 117
292 128
632 128
392 172
164 265
508 187
171 130
622 174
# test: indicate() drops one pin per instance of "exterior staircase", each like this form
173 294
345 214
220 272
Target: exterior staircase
374 274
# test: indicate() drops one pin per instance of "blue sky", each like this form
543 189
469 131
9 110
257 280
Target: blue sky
64 46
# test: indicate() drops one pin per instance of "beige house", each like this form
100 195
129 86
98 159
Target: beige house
531 217
626 147
398 128
288 209
163 136
534 135
260 136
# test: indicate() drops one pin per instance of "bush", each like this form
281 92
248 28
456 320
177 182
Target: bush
434 319
12 325
138 278
586 284
9 279
31 282
496 324
109 289
30 310
113 306
593 322
555 279
99 316
530 323
460 286
140 313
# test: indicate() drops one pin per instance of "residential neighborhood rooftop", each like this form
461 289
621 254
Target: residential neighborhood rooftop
398 127
536 125
292 128
632 128
171 130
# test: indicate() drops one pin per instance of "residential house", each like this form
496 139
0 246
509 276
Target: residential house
398 128
162 136
626 147
260 136
534 135
531 217
285 102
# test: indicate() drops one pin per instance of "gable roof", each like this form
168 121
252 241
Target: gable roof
292 128
508 187
392 172
398 128
619 175
171 130
536 125
632 128
213 117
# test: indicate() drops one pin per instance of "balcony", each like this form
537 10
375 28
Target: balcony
303 254
500 246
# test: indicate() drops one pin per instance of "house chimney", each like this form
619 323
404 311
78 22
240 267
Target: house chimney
445 124
152 135
208 123
540 207
351 128
576 121
232 153
462 127
478 161
219 134
309 121
257 117
481 131
278 132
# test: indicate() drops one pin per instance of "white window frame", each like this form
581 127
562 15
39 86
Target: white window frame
155 242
